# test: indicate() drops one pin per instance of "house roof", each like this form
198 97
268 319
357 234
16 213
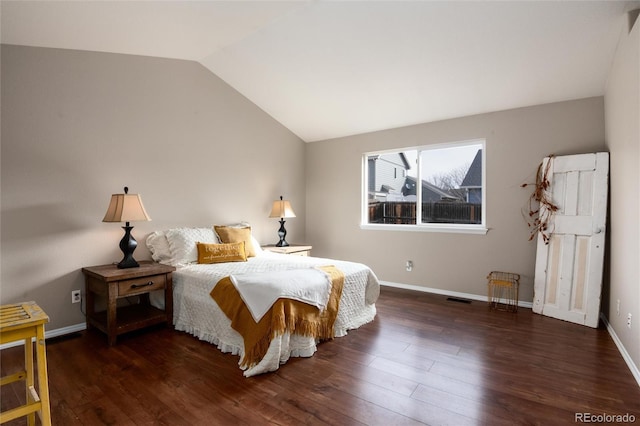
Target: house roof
473 178
430 192
326 69
403 157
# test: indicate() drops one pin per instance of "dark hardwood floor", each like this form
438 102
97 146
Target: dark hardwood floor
424 360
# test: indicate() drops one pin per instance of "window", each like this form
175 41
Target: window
451 193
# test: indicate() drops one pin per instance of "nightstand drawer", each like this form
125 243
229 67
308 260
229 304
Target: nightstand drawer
301 253
141 285
293 249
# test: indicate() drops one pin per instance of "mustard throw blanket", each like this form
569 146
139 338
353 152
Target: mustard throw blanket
285 315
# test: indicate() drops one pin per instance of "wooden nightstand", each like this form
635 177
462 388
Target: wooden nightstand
114 284
297 250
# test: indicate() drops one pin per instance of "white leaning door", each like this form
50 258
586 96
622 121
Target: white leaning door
568 274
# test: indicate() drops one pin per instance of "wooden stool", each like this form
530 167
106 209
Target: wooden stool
24 321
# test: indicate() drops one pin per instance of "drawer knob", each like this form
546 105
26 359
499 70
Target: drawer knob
150 283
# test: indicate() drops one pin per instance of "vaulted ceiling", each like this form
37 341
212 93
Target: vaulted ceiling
329 69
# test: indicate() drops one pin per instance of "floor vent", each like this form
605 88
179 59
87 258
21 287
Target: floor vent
459 300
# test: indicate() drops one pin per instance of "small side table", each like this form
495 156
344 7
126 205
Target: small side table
503 291
25 321
294 249
114 284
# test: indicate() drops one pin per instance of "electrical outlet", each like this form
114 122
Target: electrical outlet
409 266
618 308
75 296
629 320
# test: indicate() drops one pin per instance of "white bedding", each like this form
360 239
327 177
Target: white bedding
195 312
260 290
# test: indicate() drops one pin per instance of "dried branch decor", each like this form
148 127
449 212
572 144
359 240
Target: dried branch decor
540 206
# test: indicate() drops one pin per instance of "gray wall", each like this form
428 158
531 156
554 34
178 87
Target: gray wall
79 126
622 112
516 141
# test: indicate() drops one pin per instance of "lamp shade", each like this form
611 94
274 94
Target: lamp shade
282 209
126 208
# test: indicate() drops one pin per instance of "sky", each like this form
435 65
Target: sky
440 160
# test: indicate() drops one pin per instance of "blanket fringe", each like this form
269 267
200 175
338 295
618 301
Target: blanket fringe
285 316
281 324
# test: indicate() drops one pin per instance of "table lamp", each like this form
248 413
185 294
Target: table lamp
282 209
126 208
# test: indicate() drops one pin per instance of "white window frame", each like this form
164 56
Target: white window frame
480 228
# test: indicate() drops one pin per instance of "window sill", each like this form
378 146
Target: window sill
455 229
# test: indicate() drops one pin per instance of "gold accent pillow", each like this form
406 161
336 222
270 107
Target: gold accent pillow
230 234
220 253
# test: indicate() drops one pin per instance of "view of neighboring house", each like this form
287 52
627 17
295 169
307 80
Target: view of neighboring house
430 192
472 182
389 180
387 175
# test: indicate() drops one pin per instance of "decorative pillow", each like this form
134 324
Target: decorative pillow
232 234
219 253
182 242
159 247
256 245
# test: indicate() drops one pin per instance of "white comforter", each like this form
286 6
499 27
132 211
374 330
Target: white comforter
195 311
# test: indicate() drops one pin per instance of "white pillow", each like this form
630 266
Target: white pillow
256 245
182 243
159 247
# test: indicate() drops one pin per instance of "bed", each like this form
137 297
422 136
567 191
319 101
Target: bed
196 312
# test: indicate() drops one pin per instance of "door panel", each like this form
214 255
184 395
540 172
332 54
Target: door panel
568 276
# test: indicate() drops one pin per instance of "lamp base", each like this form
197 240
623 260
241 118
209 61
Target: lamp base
128 262
128 244
282 233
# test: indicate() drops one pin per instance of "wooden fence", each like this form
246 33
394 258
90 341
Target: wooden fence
402 212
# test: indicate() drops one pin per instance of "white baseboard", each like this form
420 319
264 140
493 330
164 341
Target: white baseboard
447 292
623 351
49 334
